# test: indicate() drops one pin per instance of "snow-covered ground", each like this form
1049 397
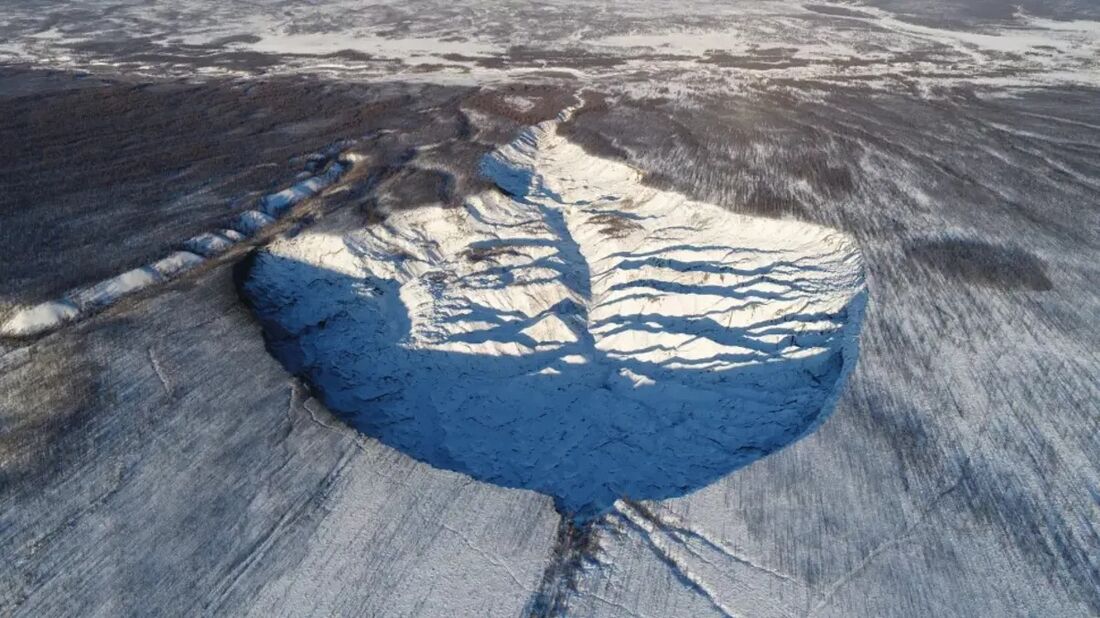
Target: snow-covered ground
734 43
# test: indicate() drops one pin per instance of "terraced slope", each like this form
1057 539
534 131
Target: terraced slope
576 332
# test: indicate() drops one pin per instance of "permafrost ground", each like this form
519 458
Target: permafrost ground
576 332
157 459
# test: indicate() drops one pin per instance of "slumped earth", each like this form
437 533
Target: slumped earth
573 332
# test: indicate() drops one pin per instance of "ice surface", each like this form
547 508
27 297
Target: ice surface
580 334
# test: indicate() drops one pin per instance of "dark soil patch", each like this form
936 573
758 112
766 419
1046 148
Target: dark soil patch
982 263
836 11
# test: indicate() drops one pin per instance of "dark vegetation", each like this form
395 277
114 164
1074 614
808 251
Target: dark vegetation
103 177
134 53
714 154
99 180
38 444
987 264
519 56
613 225
754 61
947 11
838 11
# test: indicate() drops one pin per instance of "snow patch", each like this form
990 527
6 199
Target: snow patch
108 291
277 204
39 318
176 264
208 244
232 235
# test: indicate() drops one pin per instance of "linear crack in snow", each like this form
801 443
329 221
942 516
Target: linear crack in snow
904 536
665 552
488 557
496 562
163 377
313 416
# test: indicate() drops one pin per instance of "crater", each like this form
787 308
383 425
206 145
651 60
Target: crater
572 332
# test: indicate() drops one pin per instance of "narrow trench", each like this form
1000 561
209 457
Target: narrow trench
576 545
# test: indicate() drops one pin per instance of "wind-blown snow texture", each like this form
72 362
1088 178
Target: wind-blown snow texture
581 334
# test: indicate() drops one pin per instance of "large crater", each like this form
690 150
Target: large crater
575 333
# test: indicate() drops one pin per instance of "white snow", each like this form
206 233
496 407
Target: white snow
232 235
365 42
47 316
108 291
208 244
582 334
251 221
39 318
176 263
277 204
878 47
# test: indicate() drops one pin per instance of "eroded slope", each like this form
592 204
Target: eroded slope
577 333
